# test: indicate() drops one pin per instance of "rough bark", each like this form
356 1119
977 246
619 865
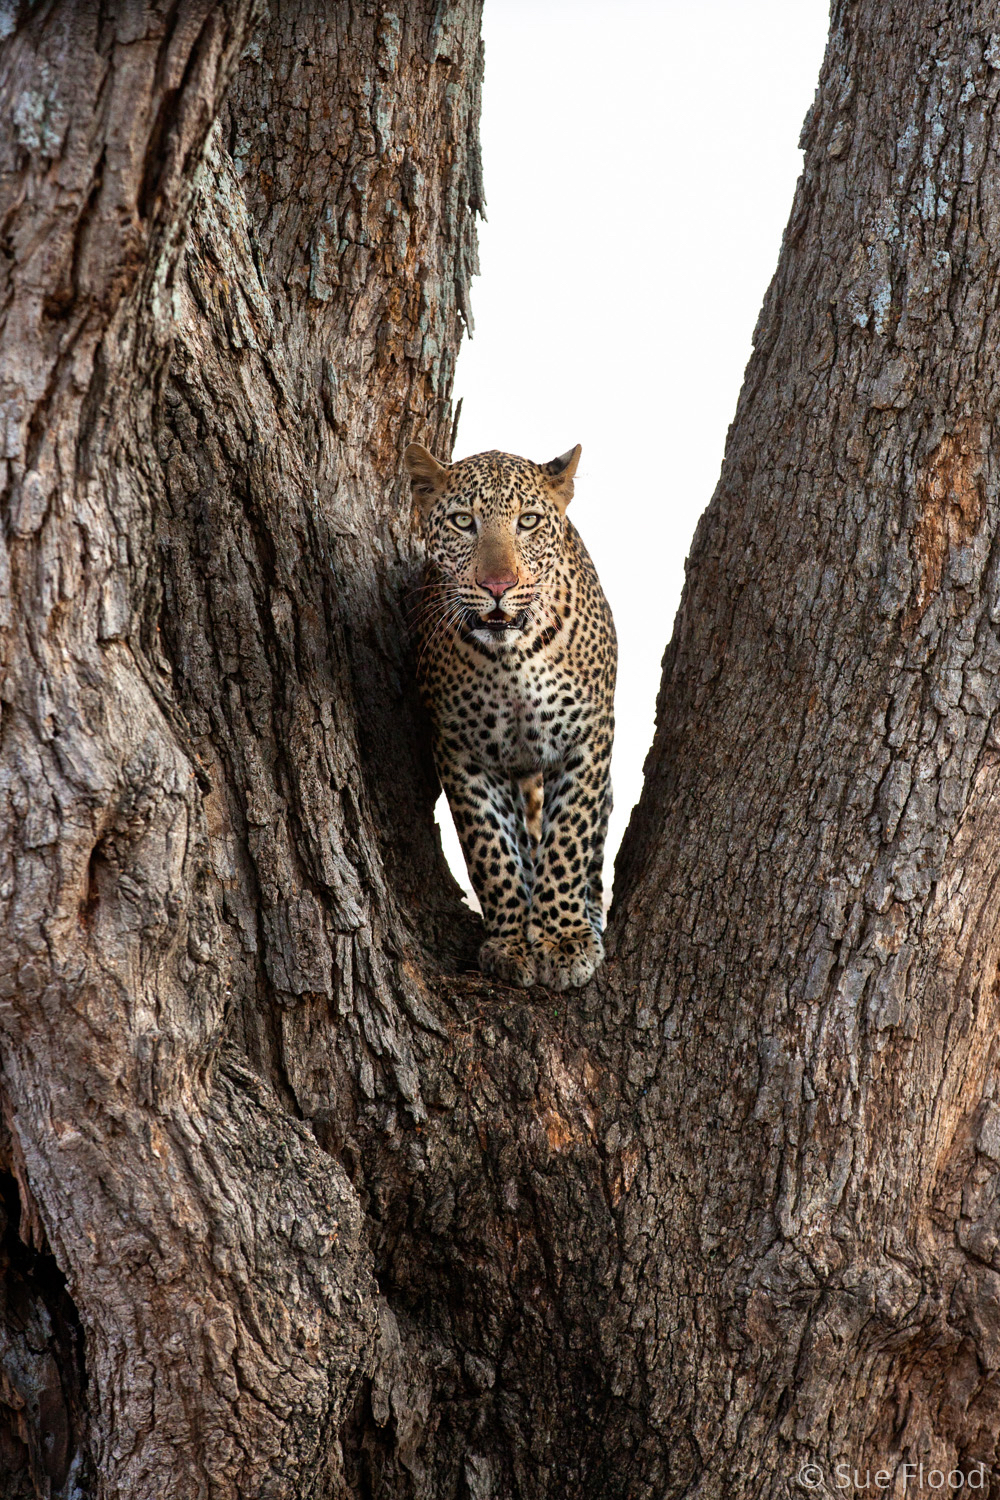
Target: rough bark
294 1204
219 325
818 1006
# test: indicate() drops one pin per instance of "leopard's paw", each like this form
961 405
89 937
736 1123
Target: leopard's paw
507 959
567 963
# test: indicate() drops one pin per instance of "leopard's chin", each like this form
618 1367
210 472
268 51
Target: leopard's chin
498 638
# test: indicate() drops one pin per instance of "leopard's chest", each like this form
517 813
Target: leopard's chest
520 715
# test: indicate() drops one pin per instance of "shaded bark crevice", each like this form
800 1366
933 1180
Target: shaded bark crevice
43 1383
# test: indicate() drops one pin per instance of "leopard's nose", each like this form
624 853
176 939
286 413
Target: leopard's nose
498 583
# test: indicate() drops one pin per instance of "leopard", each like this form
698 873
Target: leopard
516 659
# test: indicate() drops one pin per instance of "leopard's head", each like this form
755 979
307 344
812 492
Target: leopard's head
494 525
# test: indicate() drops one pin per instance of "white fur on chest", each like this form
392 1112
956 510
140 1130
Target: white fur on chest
534 726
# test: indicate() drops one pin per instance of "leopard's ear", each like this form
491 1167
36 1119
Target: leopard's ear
427 476
559 473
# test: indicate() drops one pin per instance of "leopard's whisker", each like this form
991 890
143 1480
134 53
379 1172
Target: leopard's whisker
449 618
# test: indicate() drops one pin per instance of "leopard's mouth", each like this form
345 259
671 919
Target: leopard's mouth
496 622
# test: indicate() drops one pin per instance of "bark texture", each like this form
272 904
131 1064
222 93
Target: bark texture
818 1004
220 323
292 1203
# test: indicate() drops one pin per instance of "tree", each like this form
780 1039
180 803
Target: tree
296 1204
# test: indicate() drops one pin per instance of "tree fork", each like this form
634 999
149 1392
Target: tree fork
296 1205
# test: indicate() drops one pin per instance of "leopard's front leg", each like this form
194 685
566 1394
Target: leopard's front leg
488 809
564 929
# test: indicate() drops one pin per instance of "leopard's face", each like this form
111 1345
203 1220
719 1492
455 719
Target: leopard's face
494 525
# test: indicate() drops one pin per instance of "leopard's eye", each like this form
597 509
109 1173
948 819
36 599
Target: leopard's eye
529 521
462 521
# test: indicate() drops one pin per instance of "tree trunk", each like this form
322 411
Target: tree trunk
238 256
295 1203
805 1000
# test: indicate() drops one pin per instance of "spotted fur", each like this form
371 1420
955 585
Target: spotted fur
517 660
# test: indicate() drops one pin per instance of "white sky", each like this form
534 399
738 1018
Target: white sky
640 158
